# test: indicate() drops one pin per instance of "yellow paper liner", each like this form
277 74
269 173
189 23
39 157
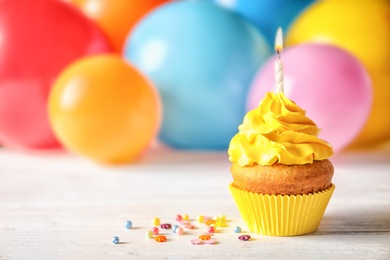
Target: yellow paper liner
277 215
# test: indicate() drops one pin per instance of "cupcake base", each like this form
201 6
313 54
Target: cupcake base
277 215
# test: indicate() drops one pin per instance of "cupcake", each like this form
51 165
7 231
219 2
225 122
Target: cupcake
280 168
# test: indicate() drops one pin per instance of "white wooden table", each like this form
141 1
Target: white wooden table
59 206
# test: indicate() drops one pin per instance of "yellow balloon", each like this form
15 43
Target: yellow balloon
363 28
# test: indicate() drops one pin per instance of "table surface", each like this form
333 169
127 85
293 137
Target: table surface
59 206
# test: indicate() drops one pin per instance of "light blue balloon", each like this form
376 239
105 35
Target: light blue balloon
201 58
267 15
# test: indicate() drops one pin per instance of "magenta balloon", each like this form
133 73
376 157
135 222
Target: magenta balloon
328 82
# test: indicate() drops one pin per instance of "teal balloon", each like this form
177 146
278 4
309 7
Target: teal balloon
267 15
201 58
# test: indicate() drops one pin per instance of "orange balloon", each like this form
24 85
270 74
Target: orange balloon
116 17
101 107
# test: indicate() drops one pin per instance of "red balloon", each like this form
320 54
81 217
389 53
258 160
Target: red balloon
38 39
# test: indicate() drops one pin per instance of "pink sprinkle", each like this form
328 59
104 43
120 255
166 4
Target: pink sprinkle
189 226
196 241
211 241
179 217
179 231
211 229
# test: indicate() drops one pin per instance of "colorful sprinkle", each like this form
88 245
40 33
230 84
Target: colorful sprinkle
178 217
189 226
200 219
179 231
185 217
209 222
211 241
196 241
115 240
156 222
166 226
204 237
244 237
149 234
128 224
174 228
211 229
160 238
155 230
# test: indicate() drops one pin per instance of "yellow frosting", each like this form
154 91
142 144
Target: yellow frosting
277 131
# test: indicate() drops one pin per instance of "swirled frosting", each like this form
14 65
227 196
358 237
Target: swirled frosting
277 131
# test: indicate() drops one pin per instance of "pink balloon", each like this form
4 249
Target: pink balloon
328 82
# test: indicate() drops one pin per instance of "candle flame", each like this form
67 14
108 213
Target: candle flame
279 40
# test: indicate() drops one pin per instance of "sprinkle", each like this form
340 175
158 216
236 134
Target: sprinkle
204 237
174 228
178 217
128 224
179 231
149 234
211 241
115 240
156 222
160 238
155 230
244 237
211 229
196 241
200 219
166 226
189 226
210 222
237 229
185 217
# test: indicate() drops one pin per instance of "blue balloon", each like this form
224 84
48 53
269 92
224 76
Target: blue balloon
267 15
202 59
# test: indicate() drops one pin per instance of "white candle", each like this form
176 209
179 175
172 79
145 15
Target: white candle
278 63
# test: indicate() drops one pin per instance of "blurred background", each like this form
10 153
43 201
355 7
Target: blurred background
110 79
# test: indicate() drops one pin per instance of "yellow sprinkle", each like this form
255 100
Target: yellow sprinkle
156 221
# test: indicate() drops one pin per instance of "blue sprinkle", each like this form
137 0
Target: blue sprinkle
128 224
174 228
115 240
237 229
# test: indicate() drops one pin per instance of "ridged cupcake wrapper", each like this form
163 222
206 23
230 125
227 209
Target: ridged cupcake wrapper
277 215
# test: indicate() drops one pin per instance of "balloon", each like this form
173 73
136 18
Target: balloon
328 82
38 39
267 16
362 28
202 59
116 17
102 108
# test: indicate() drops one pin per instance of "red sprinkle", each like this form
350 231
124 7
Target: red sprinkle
244 237
155 230
211 229
179 218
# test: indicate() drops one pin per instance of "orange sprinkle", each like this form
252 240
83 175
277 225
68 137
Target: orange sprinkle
160 238
210 222
204 237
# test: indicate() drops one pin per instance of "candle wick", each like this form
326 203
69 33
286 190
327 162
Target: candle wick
278 52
